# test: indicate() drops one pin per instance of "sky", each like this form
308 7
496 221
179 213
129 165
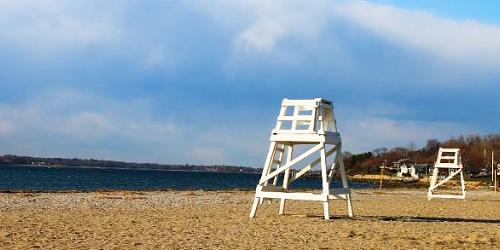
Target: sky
201 81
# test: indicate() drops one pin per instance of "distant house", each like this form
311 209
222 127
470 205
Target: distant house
408 170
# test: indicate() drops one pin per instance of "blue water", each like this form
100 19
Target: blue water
31 178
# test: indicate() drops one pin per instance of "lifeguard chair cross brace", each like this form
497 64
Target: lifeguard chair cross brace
311 123
449 159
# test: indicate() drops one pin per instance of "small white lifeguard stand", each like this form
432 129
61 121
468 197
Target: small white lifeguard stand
450 159
303 122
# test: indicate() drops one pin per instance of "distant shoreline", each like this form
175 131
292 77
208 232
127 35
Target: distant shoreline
111 164
128 168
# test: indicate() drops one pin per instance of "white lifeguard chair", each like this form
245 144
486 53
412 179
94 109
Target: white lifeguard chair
449 159
303 122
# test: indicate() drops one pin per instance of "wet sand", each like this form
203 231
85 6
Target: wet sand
391 219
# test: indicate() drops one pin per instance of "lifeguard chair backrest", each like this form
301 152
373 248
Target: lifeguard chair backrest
449 158
306 116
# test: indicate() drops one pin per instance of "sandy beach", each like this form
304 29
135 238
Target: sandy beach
398 219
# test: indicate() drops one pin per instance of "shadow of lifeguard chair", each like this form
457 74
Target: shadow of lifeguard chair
450 160
303 122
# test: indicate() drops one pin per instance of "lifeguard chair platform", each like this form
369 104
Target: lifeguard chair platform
450 160
310 123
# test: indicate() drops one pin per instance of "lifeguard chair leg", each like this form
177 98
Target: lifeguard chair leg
434 176
326 209
463 182
254 207
326 184
267 166
289 155
343 177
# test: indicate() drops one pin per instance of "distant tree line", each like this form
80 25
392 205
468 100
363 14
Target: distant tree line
39 161
475 150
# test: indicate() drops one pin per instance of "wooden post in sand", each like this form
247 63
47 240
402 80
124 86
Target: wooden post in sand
492 170
496 180
310 123
450 159
381 176
495 186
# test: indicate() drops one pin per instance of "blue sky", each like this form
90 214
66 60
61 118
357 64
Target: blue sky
201 81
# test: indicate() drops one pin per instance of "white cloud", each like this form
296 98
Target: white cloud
6 128
365 134
156 58
255 27
205 154
266 23
460 42
278 20
263 26
86 125
115 29
49 25
69 123
241 145
69 120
